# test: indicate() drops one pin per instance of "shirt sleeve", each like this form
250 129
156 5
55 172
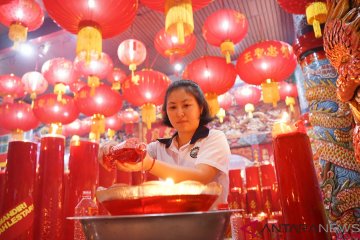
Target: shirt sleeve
215 151
151 149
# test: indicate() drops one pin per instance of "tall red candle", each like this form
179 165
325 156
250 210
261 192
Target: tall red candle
82 176
253 198
49 210
299 190
20 177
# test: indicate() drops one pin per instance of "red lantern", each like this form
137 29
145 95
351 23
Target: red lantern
179 15
132 52
51 111
73 128
17 117
266 63
224 28
92 20
315 10
288 92
112 124
11 87
169 46
214 76
60 72
129 117
77 85
21 17
116 77
225 102
149 91
103 103
34 83
248 96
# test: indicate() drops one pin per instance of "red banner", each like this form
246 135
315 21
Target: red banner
17 220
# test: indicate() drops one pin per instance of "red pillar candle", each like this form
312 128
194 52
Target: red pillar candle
253 198
20 177
49 210
123 177
106 179
236 194
299 190
269 189
82 176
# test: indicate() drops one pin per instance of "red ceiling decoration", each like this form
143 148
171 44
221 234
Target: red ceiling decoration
11 87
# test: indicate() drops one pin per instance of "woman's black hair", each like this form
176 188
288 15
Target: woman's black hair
193 89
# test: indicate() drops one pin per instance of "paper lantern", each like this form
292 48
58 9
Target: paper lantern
247 96
112 124
129 116
288 92
11 87
34 83
76 86
21 16
149 91
214 76
224 28
266 63
225 101
116 77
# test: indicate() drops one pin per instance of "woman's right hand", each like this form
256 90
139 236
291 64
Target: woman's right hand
104 149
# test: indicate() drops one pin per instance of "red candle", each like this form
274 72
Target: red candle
49 212
20 177
106 179
236 194
299 190
269 189
82 176
123 177
253 198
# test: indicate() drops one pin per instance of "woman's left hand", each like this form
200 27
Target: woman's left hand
135 167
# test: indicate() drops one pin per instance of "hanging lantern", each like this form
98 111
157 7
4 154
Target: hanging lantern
214 76
132 52
11 87
34 83
129 116
92 20
21 16
61 73
116 77
73 128
223 29
169 46
288 92
315 10
103 103
49 110
149 91
113 124
178 15
266 63
97 68
248 96
225 102
76 86
17 117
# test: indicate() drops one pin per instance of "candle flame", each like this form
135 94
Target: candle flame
169 181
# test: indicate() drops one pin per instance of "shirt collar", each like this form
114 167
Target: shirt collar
201 132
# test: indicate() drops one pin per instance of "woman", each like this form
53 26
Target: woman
194 152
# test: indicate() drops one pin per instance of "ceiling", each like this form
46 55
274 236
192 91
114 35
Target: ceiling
267 21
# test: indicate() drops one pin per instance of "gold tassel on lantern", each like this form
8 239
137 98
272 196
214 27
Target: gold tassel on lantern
221 114
270 92
227 48
116 86
17 33
89 40
179 18
249 108
55 128
213 103
290 101
316 14
59 89
134 78
110 133
17 135
148 114
93 82
97 126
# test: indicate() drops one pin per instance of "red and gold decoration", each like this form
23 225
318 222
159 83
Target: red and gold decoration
132 53
11 87
113 124
61 73
169 46
92 20
179 19
225 102
248 96
149 91
34 83
103 103
77 85
289 93
224 29
266 63
49 110
21 16
214 76
315 10
129 116
96 68
17 117
116 78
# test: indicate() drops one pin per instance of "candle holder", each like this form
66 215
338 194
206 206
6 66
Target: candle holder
20 177
49 211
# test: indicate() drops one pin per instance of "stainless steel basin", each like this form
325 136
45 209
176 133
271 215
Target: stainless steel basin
175 226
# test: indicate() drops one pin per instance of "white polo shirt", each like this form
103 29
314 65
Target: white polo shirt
206 147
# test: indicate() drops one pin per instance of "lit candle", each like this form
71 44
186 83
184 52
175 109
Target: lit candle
299 190
82 176
282 125
253 198
49 211
20 177
236 198
270 201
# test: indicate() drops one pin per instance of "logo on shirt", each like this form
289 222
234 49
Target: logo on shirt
194 152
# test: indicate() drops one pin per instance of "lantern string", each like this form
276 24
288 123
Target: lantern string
155 58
